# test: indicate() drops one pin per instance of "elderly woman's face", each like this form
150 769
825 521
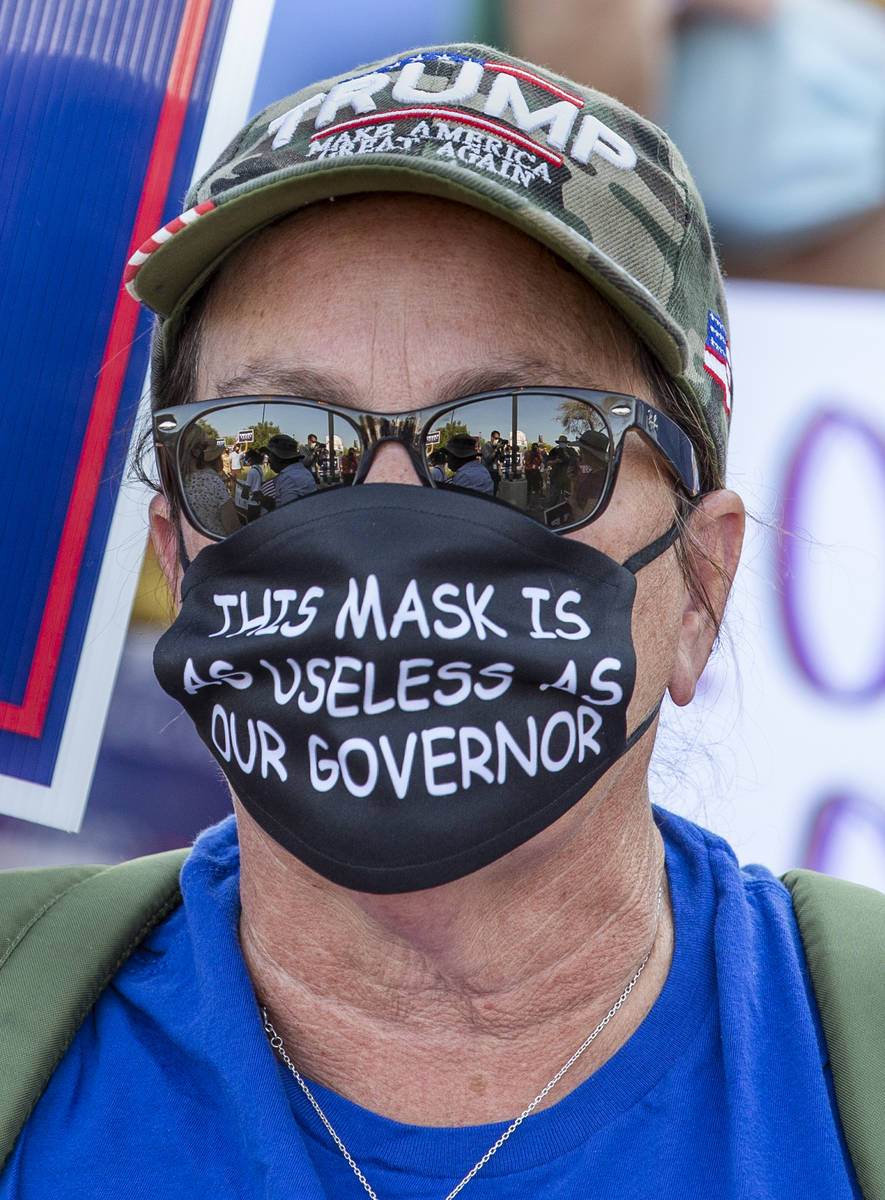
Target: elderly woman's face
393 302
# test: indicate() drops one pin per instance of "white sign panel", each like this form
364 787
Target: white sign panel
783 750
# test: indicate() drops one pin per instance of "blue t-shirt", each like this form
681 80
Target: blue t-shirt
171 1090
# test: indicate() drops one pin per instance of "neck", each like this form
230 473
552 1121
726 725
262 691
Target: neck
457 1004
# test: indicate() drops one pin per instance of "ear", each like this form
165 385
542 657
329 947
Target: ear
713 537
164 535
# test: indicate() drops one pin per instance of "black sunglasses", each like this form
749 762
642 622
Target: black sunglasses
552 453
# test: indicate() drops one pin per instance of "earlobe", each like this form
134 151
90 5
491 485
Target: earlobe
164 537
713 537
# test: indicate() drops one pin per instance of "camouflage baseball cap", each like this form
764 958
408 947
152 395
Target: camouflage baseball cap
574 169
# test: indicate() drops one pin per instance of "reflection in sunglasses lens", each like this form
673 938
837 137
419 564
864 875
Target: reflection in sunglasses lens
547 455
240 462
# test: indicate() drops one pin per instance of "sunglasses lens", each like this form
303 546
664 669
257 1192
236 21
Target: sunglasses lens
236 463
546 454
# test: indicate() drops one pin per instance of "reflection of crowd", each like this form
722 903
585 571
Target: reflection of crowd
546 469
233 485
555 480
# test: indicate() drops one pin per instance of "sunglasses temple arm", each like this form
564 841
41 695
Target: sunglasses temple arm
673 442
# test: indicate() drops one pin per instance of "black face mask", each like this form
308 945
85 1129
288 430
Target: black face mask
404 684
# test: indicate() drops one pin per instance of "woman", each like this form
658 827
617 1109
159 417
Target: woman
206 489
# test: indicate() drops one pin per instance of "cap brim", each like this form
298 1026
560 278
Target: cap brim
179 267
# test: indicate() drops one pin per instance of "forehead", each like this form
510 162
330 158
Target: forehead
415 289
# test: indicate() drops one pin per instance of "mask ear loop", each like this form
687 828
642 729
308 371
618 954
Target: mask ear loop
633 564
653 550
643 726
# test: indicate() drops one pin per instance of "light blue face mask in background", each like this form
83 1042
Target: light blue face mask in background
782 122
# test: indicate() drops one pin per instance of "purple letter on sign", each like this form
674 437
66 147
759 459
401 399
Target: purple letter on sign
802 476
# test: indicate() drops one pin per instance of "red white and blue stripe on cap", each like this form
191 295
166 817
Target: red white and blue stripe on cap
146 249
717 360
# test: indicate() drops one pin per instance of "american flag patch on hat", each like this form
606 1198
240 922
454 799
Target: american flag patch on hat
717 361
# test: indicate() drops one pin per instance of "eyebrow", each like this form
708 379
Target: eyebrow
301 381
514 373
261 378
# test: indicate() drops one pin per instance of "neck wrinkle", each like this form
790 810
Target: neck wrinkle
371 992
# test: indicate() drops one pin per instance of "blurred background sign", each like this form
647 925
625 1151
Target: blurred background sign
109 109
782 750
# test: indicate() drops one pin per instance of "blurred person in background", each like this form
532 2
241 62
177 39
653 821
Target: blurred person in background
778 106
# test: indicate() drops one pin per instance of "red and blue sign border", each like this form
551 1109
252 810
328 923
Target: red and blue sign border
32 716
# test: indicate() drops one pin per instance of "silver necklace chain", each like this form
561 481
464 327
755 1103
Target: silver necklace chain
277 1044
